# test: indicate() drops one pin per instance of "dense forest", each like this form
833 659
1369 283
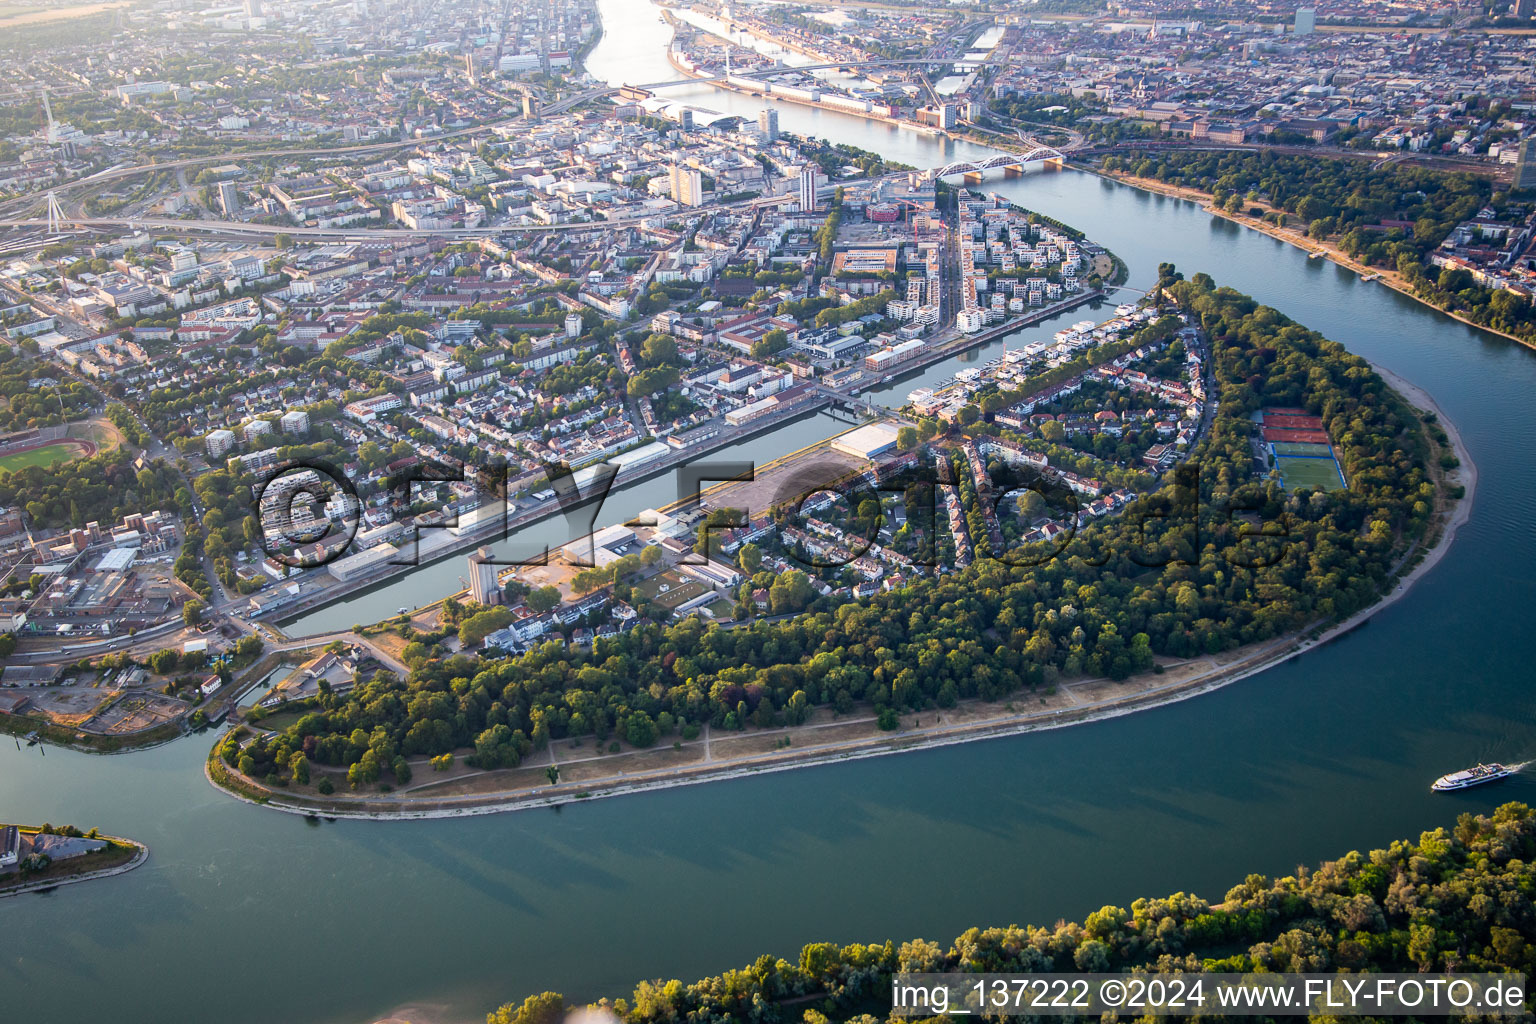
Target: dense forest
34 396
1456 900
1389 217
104 488
1179 574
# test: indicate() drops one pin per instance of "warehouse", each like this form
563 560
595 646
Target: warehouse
868 442
364 562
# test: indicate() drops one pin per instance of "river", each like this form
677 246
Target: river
243 915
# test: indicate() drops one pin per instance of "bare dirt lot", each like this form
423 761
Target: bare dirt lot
134 712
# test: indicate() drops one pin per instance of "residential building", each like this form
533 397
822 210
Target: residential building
1525 164
810 177
687 185
229 198
220 441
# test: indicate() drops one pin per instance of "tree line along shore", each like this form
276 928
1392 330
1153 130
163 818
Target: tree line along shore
988 632
1392 220
1456 899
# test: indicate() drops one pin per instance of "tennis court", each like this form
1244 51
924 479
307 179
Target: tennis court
1293 422
1309 471
1319 451
1273 434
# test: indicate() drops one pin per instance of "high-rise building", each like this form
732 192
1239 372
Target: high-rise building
685 119
949 116
253 8
573 325
1306 20
220 441
768 123
810 177
687 185
1525 164
229 198
1525 8
530 106
483 588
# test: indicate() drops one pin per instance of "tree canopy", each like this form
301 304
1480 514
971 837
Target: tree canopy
1456 900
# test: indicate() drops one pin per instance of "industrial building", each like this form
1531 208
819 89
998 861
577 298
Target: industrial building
867 442
362 563
483 586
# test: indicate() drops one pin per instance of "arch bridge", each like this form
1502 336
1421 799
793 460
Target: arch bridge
1040 154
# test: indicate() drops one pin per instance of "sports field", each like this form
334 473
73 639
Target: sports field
1276 434
46 455
669 589
1301 448
1309 472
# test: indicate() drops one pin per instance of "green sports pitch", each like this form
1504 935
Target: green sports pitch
47 455
1301 448
669 589
1310 472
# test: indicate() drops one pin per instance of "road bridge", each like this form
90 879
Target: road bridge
1040 154
780 69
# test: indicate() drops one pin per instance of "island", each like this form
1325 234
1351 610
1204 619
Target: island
1296 493
43 857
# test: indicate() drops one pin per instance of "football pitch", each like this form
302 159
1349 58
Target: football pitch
47 455
1309 472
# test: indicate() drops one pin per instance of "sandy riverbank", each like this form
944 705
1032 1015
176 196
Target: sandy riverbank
1389 277
827 739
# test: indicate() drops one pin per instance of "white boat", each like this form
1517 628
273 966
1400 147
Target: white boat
1476 776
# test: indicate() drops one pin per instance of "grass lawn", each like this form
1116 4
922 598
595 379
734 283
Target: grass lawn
669 589
1321 473
44 456
277 721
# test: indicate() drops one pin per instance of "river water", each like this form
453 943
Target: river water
244 915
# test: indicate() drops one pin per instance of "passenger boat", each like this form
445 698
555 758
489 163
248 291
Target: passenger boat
1476 776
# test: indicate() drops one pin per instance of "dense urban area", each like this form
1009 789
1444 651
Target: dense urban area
301 303
298 300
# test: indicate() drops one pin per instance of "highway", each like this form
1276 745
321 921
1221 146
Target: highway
356 234
132 170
